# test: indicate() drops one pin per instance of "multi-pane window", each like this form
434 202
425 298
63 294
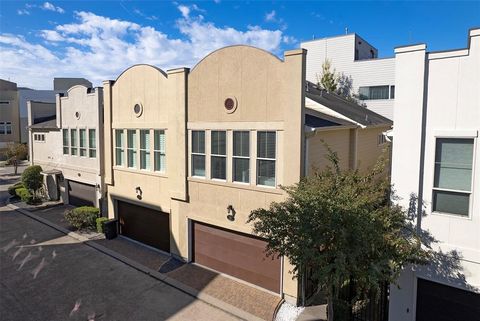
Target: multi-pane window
119 147
266 157
132 148
374 92
66 146
5 128
92 143
241 156
452 185
73 141
83 142
159 150
198 153
145 149
39 137
218 157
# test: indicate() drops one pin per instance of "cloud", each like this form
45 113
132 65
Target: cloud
23 12
50 7
99 48
270 16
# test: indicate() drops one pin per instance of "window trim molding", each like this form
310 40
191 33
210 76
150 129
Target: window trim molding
460 134
257 158
204 154
225 156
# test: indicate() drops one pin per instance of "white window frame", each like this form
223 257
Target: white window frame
83 148
145 150
5 128
267 159
133 149
91 149
204 154
39 138
74 147
120 148
66 130
242 157
455 135
212 155
159 151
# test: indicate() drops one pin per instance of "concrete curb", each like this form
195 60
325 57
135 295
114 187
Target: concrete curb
155 274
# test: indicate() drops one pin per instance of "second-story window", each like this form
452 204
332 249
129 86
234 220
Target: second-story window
132 148
145 149
66 146
219 154
241 156
266 157
159 150
452 186
198 153
119 147
73 142
92 143
83 142
373 92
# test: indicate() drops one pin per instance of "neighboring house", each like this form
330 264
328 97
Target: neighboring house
190 153
60 86
436 173
69 145
9 115
372 78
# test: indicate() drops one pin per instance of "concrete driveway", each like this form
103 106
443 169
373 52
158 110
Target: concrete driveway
46 275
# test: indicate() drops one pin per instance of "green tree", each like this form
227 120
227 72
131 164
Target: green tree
328 79
342 225
32 179
16 152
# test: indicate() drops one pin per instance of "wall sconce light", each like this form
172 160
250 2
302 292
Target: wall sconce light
139 192
231 213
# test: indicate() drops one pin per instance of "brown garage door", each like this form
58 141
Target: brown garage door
80 194
439 302
236 254
144 225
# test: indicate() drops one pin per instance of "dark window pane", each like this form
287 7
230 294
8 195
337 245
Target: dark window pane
241 170
392 92
241 143
451 202
219 142
266 142
198 141
198 165
219 167
266 172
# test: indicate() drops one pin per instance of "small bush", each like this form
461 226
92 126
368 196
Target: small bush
83 217
100 221
32 179
24 195
11 189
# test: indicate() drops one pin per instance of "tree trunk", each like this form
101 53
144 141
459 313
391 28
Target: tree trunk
15 165
329 308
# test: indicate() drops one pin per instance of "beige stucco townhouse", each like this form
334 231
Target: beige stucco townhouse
190 153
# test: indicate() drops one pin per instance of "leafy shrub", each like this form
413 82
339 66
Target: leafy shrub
11 189
32 179
83 217
24 194
100 221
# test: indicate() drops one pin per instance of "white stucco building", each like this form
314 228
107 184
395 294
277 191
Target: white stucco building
69 147
436 158
372 78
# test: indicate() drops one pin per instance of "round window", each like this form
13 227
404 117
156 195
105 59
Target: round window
77 115
230 104
138 109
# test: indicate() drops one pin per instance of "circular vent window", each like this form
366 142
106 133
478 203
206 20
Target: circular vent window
230 104
77 115
138 110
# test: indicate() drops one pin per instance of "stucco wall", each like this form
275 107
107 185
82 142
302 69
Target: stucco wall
9 112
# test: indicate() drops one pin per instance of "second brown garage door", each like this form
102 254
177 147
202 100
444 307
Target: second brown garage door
145 225
80 194
236 254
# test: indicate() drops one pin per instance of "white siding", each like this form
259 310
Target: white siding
341 52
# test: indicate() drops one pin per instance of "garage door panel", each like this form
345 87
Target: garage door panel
80 194
237 254
439 302
144 225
